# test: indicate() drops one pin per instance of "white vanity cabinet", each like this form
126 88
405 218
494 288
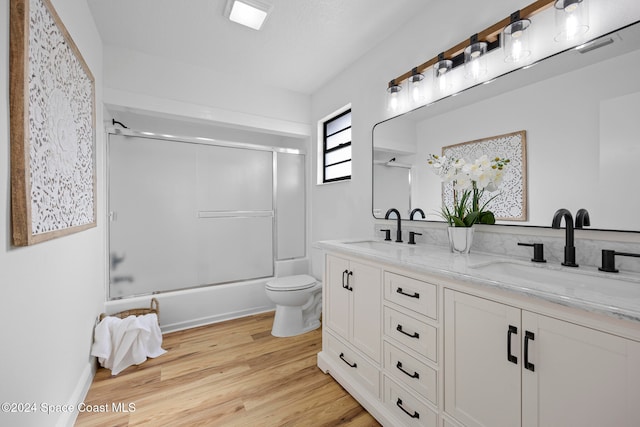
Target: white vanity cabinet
425 349
352 338
410 369
508 367
353 294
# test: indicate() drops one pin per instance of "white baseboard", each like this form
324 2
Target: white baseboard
68 419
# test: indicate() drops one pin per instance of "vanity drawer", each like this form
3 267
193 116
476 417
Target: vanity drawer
413 333
411 372
416 295
353 363
406 407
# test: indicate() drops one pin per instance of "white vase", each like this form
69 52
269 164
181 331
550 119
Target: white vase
460 239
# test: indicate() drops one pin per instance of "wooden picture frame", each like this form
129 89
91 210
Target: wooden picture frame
52 116
510 203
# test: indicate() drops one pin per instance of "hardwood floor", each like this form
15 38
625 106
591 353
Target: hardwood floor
233 373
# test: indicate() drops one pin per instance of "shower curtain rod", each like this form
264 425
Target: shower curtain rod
202 140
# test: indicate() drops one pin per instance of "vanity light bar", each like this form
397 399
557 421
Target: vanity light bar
491 35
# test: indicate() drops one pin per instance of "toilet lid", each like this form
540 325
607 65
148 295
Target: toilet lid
291 283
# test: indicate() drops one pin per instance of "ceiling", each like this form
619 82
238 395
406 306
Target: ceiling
302 45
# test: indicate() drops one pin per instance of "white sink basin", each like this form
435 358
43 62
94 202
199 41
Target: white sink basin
377 245
551 278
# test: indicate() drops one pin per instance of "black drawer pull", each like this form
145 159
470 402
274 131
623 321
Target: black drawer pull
399 405
353 365
528 336
414 295
414 335
414 375
510 357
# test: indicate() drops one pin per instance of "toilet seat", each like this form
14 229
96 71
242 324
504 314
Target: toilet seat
291 283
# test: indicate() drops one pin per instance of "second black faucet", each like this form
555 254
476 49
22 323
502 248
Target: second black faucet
569 247
399 227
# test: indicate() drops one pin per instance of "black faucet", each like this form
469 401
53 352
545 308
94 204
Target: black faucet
569 248
415 211
582 218
399 230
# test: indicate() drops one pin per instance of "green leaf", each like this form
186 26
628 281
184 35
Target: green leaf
458 222
471 219
487 217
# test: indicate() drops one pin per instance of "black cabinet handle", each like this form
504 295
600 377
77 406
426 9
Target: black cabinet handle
349 288
414 375
414 335
399 405
353 365
345 280
528 336
510 357
414 295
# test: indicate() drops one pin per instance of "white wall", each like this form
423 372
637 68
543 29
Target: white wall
146 82
51 292
343 209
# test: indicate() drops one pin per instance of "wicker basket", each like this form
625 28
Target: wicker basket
154 308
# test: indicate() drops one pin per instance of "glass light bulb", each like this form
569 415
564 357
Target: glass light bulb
475 69
415 93
571 7
393 102
443 82
571 26
516 50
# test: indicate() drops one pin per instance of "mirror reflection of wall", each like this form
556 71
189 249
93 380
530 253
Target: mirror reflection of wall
581 138
394 187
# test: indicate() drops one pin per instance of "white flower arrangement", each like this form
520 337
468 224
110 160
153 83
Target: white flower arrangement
470 181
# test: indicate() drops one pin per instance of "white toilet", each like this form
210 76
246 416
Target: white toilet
298 302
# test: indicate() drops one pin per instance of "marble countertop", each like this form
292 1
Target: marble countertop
612 294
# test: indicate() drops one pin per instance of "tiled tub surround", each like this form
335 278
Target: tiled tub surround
423 337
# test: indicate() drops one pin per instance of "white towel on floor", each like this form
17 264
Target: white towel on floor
120 343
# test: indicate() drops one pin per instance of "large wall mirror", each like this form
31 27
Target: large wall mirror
580 110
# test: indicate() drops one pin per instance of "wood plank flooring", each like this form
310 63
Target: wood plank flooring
232 373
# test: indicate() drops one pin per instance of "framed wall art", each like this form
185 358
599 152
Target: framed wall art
52 109
510 203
